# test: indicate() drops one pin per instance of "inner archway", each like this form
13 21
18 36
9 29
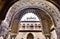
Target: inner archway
30 36
44 17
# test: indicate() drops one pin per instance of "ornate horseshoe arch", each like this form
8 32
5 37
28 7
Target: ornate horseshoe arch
41 14
45 6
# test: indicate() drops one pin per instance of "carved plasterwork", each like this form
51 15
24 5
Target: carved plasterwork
43 5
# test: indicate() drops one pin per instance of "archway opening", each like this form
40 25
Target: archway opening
30 36
29 15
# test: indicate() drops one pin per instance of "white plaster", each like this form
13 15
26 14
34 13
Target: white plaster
29 17
53 35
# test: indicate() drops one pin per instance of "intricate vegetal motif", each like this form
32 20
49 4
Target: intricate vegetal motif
14 26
